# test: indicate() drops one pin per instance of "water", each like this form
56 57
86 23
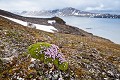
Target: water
103 27
117 12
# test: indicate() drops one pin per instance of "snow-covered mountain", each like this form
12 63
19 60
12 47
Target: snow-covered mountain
68 11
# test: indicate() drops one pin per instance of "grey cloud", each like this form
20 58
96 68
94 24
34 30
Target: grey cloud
54 4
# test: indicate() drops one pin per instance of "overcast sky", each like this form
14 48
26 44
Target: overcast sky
54 4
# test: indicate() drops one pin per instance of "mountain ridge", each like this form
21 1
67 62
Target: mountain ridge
68 11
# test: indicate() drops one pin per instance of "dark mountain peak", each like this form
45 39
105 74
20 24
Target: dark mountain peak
69 8
23 12
55 11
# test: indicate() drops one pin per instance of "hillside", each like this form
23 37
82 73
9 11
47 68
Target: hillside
60 25
89 57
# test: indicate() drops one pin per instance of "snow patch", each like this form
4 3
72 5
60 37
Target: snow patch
51 21
37 26
76 14
45 28
16 20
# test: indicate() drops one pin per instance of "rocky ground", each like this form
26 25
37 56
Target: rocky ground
89 57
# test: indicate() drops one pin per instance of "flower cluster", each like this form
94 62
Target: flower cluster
48 53
53 52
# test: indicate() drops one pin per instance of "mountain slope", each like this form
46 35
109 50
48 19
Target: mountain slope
68 11
88 57
59 25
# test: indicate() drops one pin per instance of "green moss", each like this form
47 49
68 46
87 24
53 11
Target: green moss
35 50
56 62
48 60
63 66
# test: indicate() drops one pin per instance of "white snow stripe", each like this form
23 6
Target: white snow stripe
40 27
16 20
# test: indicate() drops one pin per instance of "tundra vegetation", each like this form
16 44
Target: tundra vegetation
27 53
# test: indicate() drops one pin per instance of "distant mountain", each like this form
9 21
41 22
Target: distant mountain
117 12
68 11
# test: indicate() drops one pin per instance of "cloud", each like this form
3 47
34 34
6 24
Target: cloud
100 7
54 4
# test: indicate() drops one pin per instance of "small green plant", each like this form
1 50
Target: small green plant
36 50
56 62
48 53
63 66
